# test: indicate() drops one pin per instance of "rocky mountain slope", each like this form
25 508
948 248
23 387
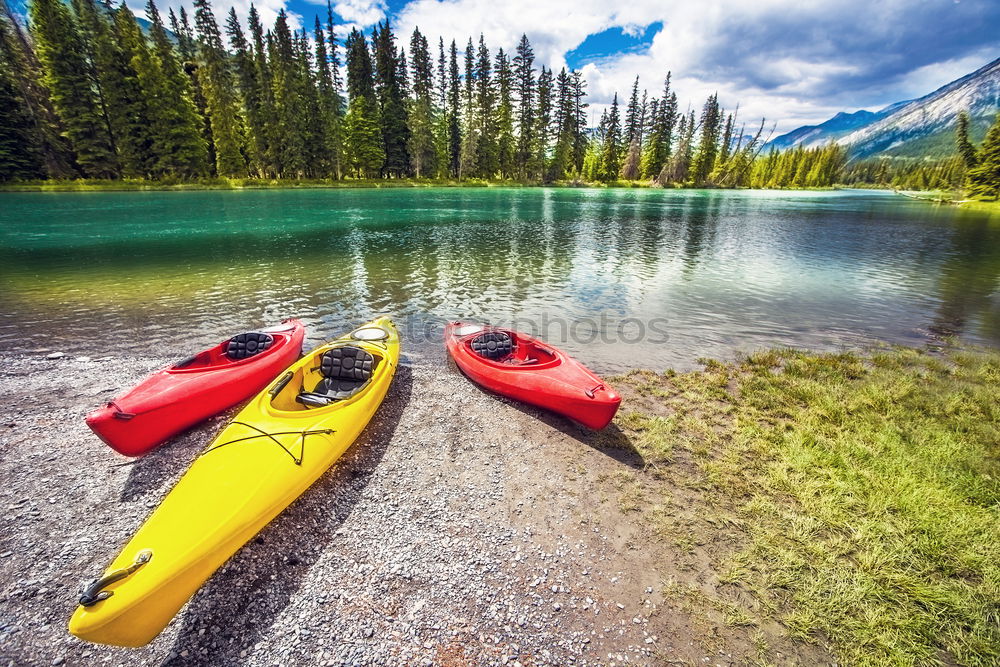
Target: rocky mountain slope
915 128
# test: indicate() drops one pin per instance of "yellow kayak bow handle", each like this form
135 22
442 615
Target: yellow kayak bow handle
94 593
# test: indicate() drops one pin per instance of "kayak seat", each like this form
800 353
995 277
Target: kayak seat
346 370
248 344
493 345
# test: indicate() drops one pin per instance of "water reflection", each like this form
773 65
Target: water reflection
724 271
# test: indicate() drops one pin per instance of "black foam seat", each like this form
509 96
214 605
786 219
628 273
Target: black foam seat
346 370
493 344
248 344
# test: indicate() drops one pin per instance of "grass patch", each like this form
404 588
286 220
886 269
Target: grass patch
867 490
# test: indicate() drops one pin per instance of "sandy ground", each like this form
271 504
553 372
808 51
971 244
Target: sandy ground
459 529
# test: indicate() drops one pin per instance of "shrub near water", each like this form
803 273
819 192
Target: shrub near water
868 489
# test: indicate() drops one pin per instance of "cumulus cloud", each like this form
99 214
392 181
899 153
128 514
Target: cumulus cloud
795 61
355 13
268 10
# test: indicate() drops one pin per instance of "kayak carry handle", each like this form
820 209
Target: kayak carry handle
94 593
119 413
592 392
282 383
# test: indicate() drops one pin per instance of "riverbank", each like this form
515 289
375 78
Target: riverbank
83 185
790 508
953 199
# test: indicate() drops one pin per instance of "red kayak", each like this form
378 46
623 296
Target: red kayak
524 368
179 396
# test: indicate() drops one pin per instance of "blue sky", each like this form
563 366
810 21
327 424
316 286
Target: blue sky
793 61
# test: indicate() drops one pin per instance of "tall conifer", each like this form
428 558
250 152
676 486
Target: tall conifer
66 72
524 78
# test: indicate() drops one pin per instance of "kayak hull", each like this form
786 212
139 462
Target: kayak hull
271 452
175 398
535 373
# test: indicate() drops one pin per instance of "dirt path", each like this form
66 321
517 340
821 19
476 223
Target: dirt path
460 529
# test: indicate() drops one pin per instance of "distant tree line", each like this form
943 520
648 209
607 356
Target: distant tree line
86 92
982 164
800 167
974 170
906 173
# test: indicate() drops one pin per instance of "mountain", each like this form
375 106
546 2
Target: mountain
841 124
922 127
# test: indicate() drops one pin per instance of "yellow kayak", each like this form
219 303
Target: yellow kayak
273 450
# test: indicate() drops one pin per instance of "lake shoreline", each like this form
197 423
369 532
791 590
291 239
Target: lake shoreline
386 184
372 184
679 531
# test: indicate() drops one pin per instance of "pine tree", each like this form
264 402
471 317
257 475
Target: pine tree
250 90
454 113
468 164
314 123
441 153
506 145
61 51
661 136
335 134
364 138
362 129
965 147
289 89
487 150
184 34
20 155
578 93
630 167
360 74
543 123
984 178
633 131
611 157
524 78
122 100
268 141
328 105
177 147
25 71
392 108
219 88
708 145
676 170
565 120
423 154
102 73
187 49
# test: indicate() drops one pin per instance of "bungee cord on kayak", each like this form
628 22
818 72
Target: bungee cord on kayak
264 434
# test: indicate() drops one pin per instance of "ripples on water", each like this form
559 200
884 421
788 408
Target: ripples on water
713 272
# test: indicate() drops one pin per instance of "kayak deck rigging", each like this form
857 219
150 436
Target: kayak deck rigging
272 436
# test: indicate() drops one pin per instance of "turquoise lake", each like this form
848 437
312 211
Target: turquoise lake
620 278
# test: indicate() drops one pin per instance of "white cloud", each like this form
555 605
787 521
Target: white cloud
268 10
794 61
359 13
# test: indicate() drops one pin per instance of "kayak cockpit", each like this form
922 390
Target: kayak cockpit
333 374
239 348
507 348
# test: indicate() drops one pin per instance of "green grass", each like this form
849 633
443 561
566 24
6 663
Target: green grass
992 207
92 185
96 185
867 491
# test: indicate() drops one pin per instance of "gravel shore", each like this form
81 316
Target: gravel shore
459 529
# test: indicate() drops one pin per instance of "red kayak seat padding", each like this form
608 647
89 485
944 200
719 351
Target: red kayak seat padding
346 370
493 345
248 344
